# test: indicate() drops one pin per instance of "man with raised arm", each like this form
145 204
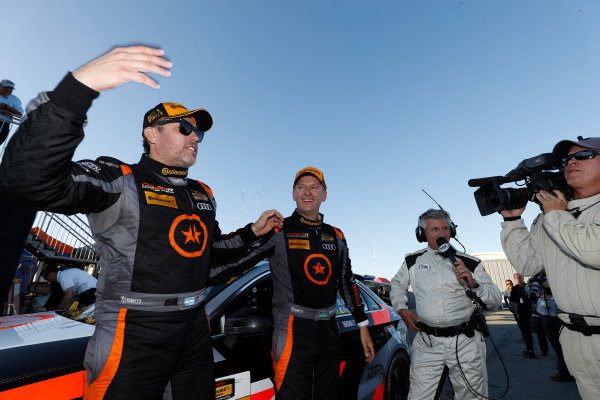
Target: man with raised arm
156 228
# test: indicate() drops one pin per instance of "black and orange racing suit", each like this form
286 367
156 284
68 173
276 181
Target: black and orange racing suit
156 233
309 263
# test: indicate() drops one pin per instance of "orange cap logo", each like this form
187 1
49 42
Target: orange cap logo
317 268
188 235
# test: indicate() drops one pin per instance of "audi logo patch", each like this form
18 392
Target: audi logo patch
204 206
329 246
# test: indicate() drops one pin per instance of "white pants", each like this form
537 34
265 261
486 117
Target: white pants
582 355
429 356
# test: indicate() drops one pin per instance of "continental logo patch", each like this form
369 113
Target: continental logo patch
308 222
326 238
299 244
298 235
199 196
161 199
169 171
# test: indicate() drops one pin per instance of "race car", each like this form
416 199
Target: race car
41 354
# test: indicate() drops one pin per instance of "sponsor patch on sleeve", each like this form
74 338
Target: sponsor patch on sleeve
299 244
161 199
199 196
326 238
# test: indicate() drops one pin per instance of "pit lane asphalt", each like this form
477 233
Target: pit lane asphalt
529 377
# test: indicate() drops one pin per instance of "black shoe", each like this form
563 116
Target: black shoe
558 377
529 353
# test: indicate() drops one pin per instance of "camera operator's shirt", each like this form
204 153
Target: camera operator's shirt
568 248
441 299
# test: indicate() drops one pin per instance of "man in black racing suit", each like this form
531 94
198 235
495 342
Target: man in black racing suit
309 262
155 228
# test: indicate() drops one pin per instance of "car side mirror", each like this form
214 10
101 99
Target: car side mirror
246 324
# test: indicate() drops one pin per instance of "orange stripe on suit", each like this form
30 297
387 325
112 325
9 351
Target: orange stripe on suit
126 170
97 389
280 366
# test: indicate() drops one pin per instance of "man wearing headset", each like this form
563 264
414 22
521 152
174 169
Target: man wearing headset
565 240
445 322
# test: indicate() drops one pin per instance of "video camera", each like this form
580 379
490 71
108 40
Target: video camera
536 172
536 284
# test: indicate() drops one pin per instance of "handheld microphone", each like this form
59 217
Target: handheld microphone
446 249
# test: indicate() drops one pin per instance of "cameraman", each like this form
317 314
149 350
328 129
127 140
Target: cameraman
565 239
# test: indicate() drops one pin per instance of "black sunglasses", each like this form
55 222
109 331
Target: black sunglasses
185 127
580 156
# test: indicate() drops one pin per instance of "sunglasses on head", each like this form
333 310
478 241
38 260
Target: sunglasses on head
580 156
185 127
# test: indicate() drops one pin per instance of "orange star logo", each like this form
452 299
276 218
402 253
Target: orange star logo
195 233
319 269
191 235
319 263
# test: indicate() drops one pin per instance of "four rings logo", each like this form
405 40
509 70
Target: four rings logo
317 268
204 206
188 235
328 246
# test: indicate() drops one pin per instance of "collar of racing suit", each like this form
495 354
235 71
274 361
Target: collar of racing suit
309 222
163 170
577 206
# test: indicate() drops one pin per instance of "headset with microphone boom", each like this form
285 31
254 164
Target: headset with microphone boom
420 231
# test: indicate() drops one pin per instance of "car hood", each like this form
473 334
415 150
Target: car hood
44 327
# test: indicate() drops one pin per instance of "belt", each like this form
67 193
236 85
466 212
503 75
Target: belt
158 302
311 313
578 323
467 328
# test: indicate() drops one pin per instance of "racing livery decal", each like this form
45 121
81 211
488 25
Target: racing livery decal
19 320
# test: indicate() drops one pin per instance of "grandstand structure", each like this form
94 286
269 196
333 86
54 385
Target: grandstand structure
54 239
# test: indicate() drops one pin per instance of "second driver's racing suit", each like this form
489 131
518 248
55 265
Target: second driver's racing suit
447 328
309 262
156 233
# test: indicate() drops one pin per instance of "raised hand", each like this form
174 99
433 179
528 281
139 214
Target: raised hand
122 65
268 220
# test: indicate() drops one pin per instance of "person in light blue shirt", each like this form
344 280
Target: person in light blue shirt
10 106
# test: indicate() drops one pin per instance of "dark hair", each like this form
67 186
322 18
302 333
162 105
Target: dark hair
48 269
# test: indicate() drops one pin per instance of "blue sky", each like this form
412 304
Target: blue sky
386 97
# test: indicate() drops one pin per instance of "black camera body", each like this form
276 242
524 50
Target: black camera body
535 285
537 173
